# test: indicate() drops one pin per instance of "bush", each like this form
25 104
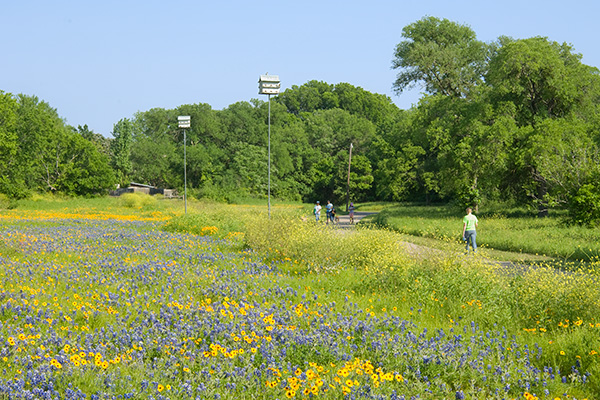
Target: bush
137 200
6 203
213 219
323 248
584 206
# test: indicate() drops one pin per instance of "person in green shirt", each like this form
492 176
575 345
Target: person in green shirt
469 233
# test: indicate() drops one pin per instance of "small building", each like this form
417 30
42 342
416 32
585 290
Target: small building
135 187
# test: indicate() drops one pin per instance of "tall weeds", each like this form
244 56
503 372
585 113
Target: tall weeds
507 295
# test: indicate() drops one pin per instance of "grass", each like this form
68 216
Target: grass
513 231
226 302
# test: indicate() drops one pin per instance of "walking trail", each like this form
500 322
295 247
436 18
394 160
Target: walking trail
414 250
344 222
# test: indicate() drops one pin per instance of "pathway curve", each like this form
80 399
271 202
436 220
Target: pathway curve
419 251
344 220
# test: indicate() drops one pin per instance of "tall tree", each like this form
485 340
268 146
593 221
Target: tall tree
361 178
76 166
120 148
560 157
443 55
208 145
47 155
536 80
153 160
40 131
543 79
8 144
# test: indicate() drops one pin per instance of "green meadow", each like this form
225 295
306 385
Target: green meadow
513 230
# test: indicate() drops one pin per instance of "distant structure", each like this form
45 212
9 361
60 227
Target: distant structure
145 189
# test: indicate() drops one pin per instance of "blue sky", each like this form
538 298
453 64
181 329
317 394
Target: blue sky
99 61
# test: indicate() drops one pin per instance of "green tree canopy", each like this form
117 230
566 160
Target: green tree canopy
9 145
120 149
542 79
443 55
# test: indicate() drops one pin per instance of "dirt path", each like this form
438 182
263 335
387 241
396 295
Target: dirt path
415 250
344 220
425 252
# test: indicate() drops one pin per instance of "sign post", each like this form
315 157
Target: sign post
184 122
269 84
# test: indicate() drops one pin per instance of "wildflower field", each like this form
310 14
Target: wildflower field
109 300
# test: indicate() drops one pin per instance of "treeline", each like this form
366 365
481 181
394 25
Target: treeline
312 128
40 153
509 120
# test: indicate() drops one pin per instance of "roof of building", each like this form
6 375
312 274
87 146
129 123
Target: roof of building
135 184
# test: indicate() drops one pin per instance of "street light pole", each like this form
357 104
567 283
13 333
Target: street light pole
269 84
184 122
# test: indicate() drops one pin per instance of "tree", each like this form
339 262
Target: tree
249 168
316 96
312 96
323 182
445 56
100 142
80 169
8 144
377 108
333 130
560 157
543 79
584 205
244 121
48 155
395 177
291 154
548 92
40 130
152 160
208 146
361 177
120 148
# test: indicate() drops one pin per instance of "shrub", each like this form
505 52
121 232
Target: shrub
5 202
137 200
584 206
214 220
323 248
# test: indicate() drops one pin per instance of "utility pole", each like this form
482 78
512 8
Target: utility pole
348 182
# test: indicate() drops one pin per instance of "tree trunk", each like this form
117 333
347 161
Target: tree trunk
476 201
543 203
